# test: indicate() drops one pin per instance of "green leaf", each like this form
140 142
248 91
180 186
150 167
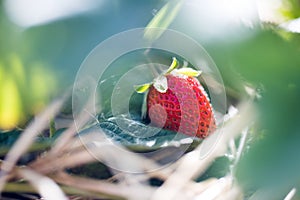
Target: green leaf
189 72
142 88
161 84
173 65
136 135
162 19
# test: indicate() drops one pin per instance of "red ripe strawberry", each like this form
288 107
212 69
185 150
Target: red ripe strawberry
177 101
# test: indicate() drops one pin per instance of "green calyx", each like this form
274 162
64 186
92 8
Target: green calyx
188 72
142 88
173 66
161 84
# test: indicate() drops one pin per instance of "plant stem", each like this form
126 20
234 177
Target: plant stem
35 147
241 145
27 188
52 130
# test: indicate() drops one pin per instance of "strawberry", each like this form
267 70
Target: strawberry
177 101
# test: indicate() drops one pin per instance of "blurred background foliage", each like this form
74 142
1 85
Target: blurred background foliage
254 44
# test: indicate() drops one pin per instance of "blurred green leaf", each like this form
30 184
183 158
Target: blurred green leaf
162 19
290 9
218 169
272 162
7 139
10 103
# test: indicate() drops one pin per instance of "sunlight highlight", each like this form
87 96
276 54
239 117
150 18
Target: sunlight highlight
32 13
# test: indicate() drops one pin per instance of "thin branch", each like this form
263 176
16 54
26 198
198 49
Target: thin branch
241 145
109 189
25 187
217 189
291 194
46 187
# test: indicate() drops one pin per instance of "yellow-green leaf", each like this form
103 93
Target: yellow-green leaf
10 104
173 65
142 88
188 72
